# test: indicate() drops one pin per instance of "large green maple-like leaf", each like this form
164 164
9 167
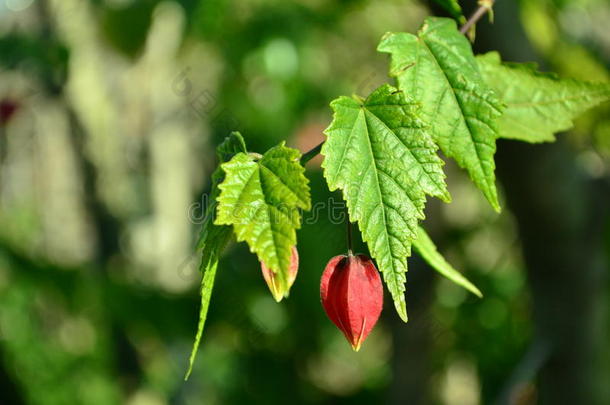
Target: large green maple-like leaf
438 69
261 198
428 251
379 153
213 238
537 104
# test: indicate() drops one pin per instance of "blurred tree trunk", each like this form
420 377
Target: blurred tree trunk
560 213
412 341
561 216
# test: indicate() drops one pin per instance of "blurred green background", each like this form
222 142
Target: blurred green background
110 111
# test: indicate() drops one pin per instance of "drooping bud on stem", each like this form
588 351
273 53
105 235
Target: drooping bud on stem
273 281
352 296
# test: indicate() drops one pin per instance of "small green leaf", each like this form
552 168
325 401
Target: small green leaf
438 69
213 238
207 283
232 144
262 199
379 153
426 248
538 104
453 8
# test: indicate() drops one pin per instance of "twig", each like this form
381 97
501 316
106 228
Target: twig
307 156
484 7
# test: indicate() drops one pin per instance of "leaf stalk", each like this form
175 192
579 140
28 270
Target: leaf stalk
307 156
484 7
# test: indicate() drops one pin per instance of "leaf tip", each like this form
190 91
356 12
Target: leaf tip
382 46
472 288
278 295
401 308
492 197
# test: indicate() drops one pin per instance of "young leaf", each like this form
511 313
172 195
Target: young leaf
453 8
207 282
213 238
438 69
426 248
380 155
261 199
209 264
537 104
233 144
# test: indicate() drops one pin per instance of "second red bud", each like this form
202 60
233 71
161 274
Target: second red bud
272 280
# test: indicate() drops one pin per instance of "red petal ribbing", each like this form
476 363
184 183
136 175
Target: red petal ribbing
352 296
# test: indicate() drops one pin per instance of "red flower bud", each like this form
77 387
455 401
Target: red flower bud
274 283
352 296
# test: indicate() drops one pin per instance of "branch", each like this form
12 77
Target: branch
484 7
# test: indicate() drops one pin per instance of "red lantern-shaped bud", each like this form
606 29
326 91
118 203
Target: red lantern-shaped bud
274 283
352 296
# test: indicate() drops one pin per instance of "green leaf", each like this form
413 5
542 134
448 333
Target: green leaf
209 264
379 153
262 199
538 104
213 238
207 283
426 248
233 144
453 8
438 69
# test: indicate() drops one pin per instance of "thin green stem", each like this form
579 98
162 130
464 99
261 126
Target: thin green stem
307 156
484 7
350 247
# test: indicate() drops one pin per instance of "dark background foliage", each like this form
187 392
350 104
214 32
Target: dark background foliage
110 110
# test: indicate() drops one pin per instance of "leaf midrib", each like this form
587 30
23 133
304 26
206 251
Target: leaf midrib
241 194
408 150
256 169
286 186
462 115
381 201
